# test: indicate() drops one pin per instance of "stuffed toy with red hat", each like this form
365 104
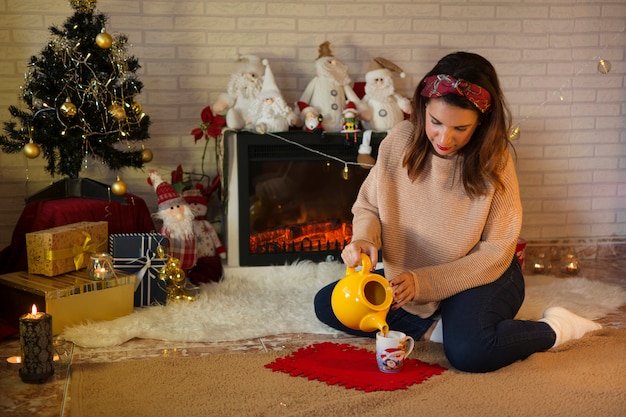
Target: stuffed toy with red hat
311 117
351 123
209 248
177 219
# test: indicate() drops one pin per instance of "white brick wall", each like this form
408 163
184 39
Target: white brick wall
572 152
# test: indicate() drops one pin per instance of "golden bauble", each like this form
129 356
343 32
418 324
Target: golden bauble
31 150
604 66
119 187
514 133
136 107
104 40
68 109
117 111
146 155
160 252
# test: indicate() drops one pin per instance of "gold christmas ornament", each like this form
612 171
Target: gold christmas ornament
136 107
104 40
160 252
146 155
68 109
117 111
31 150
119 187
83 6
604 66
174 278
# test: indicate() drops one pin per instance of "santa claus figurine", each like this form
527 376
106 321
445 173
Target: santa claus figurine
330 89
209 248
177 219
385 107
244 85
312 118
269 112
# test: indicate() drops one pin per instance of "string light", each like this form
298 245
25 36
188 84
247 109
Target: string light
603 67
334 158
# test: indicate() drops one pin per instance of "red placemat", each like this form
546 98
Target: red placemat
343 364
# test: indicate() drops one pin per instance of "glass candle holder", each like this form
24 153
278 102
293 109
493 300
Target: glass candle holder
100 266
570 264
541 264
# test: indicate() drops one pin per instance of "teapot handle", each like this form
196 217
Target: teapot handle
365 261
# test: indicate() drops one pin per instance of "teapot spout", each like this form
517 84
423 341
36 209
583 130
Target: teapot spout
375 321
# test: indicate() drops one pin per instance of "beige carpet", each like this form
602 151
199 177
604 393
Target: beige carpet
586 377
264 301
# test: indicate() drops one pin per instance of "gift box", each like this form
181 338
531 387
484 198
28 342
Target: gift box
142 254
66 248
70 298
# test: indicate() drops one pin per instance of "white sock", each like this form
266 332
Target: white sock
567 325
437 334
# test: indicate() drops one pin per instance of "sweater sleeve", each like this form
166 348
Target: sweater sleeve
488 259
366 223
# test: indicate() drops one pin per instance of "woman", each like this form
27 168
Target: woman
443 203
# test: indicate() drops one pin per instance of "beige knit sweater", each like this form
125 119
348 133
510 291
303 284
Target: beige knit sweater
430 227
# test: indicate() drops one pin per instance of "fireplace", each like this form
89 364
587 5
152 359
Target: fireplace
290 199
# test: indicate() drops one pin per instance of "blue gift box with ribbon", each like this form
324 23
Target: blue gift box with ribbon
142 254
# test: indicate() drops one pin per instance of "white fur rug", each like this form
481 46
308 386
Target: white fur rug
263 301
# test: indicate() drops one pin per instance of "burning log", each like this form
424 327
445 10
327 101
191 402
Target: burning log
307 237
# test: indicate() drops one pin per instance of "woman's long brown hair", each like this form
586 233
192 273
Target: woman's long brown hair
483 158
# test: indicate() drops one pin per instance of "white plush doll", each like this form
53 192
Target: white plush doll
385 106
244 85
330 89
269 112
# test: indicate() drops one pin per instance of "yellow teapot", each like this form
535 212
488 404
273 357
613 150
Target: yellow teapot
361 300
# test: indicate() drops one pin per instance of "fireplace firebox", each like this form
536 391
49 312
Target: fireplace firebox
290 195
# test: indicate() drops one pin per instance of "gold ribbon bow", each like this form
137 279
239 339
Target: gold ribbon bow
76 251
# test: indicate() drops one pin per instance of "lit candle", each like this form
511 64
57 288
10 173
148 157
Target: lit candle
36 345
101 266
571 268
14 362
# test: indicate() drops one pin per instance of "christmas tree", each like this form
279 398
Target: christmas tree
80 93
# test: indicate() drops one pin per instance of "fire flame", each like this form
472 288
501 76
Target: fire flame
313 236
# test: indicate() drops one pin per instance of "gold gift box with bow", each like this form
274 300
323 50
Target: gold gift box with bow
63 249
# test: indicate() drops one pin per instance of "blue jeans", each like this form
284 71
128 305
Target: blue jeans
479 332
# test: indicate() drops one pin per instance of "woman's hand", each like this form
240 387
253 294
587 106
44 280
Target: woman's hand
403 289
351 254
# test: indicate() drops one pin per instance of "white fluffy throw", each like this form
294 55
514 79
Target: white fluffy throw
263 301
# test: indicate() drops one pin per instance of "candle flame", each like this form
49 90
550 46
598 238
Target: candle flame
34 310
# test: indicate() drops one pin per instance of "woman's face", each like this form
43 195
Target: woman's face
449 128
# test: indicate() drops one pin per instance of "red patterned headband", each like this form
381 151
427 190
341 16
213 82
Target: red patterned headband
441 85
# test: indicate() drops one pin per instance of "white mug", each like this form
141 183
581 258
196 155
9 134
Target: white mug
392 349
